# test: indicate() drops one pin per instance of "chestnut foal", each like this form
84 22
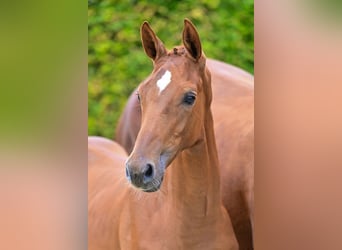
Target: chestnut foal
233 114
174 161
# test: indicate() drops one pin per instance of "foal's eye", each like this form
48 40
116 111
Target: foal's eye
189 98
138 96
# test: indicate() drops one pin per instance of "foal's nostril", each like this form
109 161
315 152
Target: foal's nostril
149 171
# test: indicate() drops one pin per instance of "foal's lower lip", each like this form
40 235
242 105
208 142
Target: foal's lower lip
151 190
154 189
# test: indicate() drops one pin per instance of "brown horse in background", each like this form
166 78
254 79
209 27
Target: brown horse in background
174 161
233 114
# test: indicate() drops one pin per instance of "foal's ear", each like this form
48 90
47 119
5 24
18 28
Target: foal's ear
153 47
191 40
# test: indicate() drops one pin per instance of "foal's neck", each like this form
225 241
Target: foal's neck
194 184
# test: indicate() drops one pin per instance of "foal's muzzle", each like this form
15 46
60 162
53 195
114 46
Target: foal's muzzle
142 175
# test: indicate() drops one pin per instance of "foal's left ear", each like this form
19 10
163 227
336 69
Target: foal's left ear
191 39
153 47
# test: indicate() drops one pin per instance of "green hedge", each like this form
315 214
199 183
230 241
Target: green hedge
117 62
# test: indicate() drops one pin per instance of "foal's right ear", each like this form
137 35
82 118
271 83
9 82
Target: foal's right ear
153 47
191 40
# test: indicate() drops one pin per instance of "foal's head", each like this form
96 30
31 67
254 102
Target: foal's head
174 100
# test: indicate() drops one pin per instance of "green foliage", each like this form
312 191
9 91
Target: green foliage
117 62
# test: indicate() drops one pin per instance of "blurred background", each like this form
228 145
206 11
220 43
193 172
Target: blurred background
117 62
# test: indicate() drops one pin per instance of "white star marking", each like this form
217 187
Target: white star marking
164 81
